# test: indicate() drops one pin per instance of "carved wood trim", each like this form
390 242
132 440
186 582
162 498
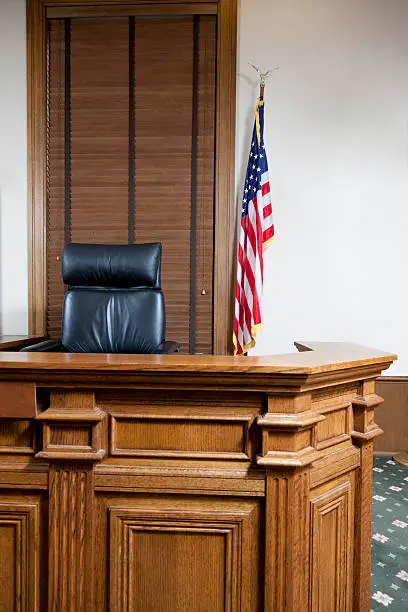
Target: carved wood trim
286 541
70 534
224 263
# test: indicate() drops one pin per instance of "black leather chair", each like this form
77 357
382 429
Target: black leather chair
113 302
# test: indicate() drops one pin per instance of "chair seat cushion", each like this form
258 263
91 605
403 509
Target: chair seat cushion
113 321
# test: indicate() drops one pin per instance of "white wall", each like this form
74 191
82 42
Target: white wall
13 168
337 138
337 141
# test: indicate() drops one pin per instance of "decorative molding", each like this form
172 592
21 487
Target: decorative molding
72 428
289 438
36 158
364 426
20 567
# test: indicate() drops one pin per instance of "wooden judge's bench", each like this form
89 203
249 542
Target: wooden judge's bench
135 483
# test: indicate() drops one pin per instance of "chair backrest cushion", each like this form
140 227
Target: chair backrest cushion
118 266
113 320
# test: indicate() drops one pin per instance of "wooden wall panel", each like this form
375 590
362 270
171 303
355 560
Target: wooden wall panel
205 183
391 416
43 267
55 175
99 131
163 122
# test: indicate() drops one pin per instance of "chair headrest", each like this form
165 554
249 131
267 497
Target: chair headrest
120 266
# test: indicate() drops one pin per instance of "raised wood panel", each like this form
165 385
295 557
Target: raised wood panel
336 426
17 437
68 435
17 400
189 425
332 549
172 556
19 557
208 437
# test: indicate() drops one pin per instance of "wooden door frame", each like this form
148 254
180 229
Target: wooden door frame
224 225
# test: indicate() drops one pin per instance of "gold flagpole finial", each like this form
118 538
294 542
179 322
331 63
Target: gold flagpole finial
262 78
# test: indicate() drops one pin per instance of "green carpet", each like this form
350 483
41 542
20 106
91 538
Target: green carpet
389 553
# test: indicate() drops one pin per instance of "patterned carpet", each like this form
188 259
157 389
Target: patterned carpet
389 559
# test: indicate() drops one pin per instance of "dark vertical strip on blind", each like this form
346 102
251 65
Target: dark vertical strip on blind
193 222
131 190
215 173
47 144
67 133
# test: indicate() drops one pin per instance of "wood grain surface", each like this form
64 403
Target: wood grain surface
191 483
324 357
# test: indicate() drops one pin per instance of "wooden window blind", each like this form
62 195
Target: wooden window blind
130 153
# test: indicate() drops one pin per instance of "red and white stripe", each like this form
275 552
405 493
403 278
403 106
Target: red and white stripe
257 232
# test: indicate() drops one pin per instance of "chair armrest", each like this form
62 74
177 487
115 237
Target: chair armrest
168 347
15 343
51 346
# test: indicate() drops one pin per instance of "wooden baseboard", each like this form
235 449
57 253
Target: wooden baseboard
392 416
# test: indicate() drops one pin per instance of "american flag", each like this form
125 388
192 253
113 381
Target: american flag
256 233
